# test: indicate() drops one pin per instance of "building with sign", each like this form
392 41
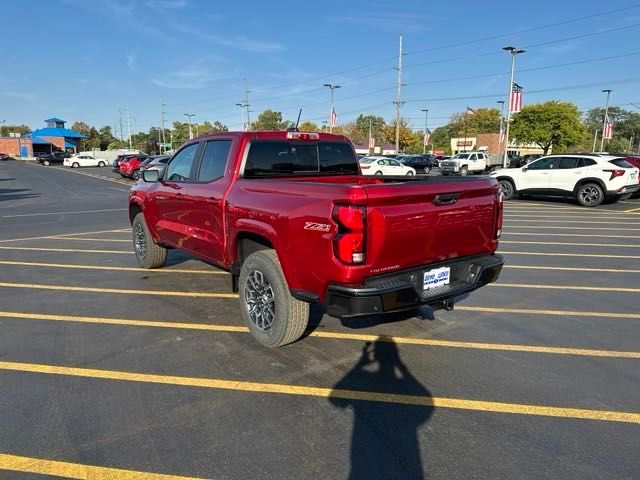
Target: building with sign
490 143
55 137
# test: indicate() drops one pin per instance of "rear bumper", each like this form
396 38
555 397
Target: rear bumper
403 290
626 189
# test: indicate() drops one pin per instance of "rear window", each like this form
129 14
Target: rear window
282 158
621 162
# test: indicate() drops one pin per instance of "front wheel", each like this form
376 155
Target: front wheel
273 315
75 165
590 195
410 173
508 190
46 163
464 171
148 253
101 164
427 170
378 173
136 175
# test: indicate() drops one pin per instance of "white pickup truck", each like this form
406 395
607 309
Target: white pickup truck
466 162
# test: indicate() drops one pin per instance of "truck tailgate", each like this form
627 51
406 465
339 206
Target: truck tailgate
420 222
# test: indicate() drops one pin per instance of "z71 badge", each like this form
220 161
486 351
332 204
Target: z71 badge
318 227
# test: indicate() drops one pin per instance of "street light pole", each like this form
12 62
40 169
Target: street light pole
331 87
595 140
513 51
501 102
189 116
243 105
604 121
426 122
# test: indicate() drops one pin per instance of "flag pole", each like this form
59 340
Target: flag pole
606 113
513 51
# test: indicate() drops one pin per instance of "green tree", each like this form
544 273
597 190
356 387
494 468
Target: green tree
626 125
215 127
548 124
270 120
406 134
106 137
484 120
7 129
441 139
308 126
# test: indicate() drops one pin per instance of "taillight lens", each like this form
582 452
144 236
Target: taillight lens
349 242
499 210
615 173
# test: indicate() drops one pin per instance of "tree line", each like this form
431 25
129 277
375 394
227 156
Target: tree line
553 125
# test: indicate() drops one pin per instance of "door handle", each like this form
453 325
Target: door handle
446 199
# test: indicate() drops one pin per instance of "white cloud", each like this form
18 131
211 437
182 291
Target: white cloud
190 77
241 43
131 61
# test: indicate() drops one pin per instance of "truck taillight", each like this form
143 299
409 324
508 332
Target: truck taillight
303 136
615 173
349 242
499 210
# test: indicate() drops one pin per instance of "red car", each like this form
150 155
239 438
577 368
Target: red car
129 165
294 221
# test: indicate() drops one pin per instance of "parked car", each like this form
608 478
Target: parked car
158 162
384 166
76 161
129 165
465 163
51 158
590 178
420 163
4 156
292 219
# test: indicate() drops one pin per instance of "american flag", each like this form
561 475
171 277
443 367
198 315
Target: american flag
372 142
427 136
607 133
515 104
470 111
334 117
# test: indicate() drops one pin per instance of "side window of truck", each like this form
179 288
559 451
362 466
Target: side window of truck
214 160
179 170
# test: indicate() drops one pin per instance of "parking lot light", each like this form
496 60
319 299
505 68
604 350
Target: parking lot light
513 51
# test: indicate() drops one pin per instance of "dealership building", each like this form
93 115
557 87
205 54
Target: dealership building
490 143
54 137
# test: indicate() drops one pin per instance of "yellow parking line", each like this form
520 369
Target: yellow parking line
122 269
632 210
427 342
572 244
116 240
73 250
562 313
77 212
539 227
324 392
595 235
68 288
64 235
42 466
569 255
579 221
572 269
565 287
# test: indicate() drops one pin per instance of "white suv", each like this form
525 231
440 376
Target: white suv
590 178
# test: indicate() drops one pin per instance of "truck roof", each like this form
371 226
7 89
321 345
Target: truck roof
276 135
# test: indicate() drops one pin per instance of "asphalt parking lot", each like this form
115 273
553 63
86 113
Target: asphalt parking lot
111 371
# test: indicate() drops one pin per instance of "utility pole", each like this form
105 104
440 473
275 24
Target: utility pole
398 102
595 140
162 113
513 51
189 115
246 104
332 110
121 137
129 126
370 137
501 102
242 106
426 122
604 121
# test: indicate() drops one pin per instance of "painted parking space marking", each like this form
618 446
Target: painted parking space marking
633 210
588 255
76 212
562 313
65 235
123 291
110 268
426 342
99 177
72 250
621 222
565 287
571 269
594 235
114 240
43 466
324 392
572 244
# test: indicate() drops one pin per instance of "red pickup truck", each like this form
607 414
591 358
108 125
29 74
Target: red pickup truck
290 216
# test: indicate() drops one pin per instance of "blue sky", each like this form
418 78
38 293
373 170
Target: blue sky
85 60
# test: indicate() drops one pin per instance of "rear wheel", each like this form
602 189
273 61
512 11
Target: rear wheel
136 175
101 164
427 170
464 171
508 189
378 173
148 253
410 173
273 315
75 165
590 195
46 163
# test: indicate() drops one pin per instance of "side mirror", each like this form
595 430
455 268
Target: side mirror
150 176
524 169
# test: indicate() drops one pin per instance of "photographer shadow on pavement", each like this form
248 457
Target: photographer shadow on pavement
384 440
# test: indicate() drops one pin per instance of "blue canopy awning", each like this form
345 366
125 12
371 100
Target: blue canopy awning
39 141
69 145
